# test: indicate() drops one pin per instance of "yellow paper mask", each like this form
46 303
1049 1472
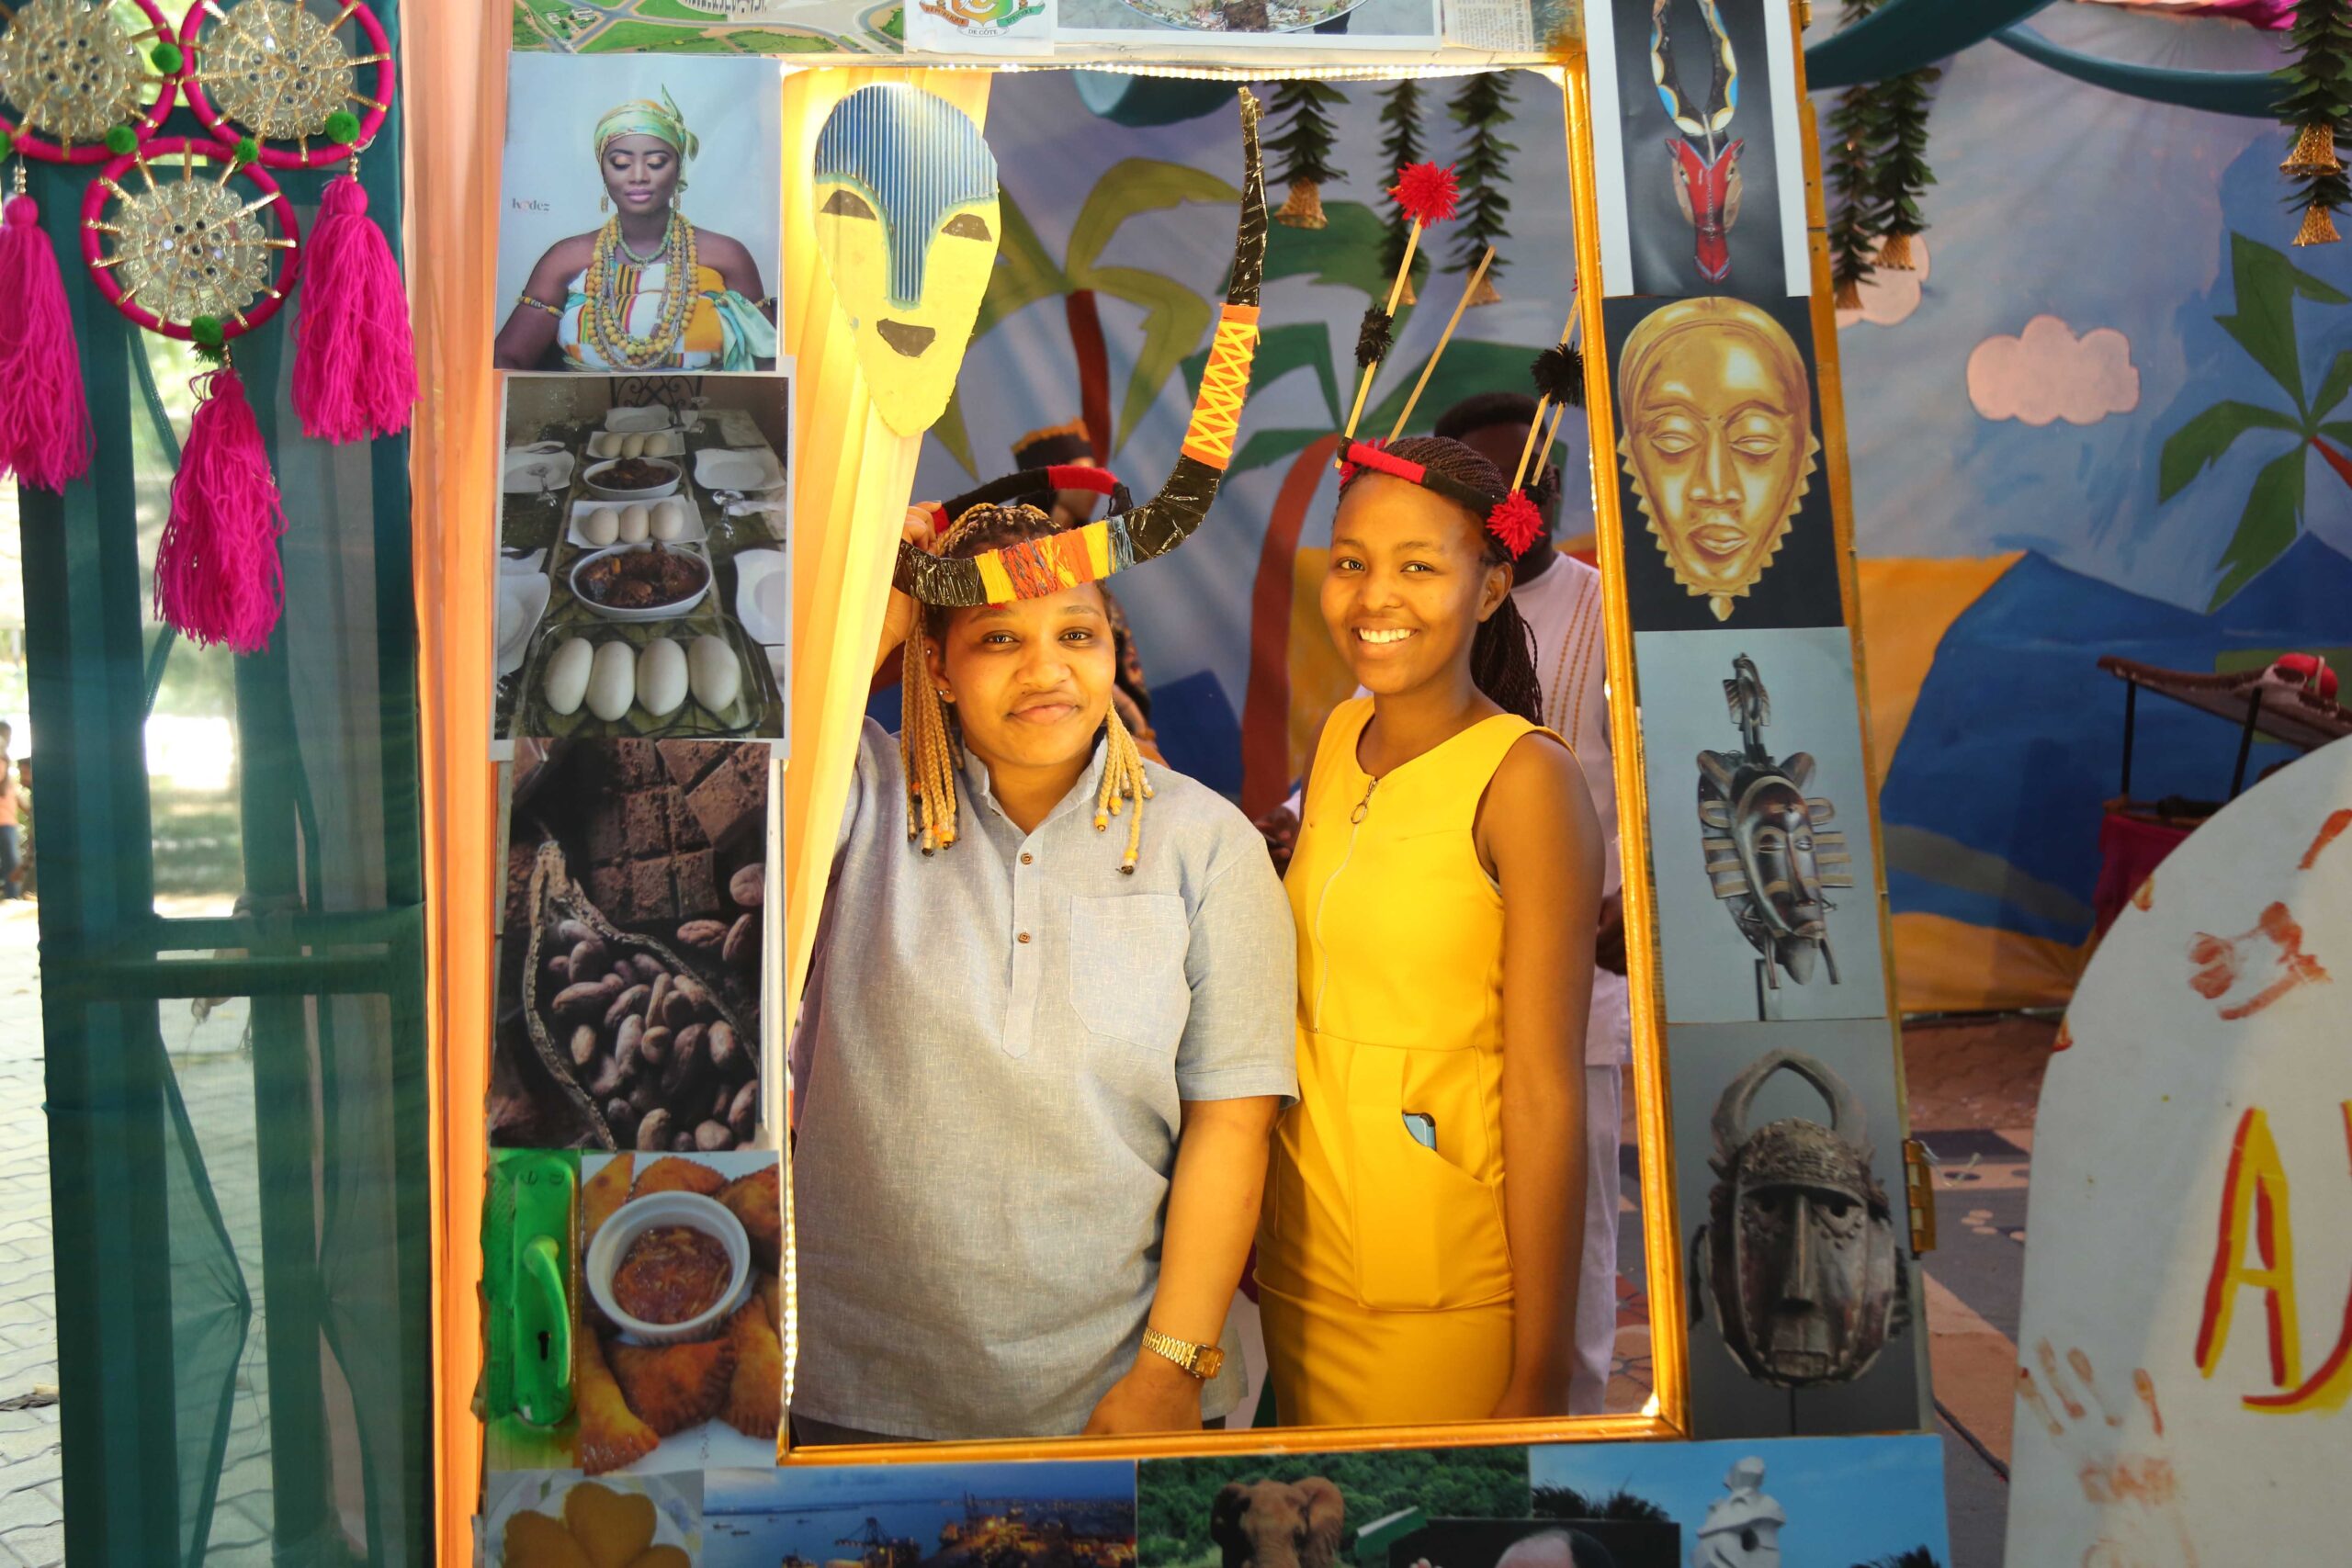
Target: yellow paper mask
1717 413
906 218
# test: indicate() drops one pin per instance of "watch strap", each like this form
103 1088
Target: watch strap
1200 1361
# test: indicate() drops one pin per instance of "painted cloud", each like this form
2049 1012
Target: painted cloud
2046 373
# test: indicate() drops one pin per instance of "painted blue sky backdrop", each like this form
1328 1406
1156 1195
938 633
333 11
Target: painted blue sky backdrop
2055 198
1849 1500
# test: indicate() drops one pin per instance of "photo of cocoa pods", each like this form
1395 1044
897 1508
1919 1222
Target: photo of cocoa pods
629 1011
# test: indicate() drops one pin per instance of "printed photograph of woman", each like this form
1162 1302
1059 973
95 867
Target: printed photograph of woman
646 288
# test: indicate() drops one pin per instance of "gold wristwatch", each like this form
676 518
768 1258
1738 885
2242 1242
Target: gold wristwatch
1201 1361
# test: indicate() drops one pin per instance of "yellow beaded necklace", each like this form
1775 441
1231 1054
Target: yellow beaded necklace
607 315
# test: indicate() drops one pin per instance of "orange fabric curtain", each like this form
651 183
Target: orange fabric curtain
453 70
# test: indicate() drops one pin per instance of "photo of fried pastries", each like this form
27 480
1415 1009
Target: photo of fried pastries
714 1396
554 1520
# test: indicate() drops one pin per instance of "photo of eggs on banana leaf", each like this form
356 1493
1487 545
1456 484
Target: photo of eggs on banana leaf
643 567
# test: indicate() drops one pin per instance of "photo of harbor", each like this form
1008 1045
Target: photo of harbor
980 1516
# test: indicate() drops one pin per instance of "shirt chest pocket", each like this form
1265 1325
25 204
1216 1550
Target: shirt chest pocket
1126 968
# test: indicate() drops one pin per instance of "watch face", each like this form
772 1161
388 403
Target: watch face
1207 1362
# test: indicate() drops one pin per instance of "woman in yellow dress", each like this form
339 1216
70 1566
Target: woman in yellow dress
1419 1249
610 300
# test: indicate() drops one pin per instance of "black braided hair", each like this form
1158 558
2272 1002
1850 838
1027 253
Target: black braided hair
1482 409
1503 653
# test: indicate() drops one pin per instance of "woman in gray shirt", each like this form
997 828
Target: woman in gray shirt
1034 1090
1041 1052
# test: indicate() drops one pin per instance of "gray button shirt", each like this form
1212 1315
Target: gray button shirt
988 1079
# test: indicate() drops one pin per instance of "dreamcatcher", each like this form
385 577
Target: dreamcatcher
192 237
1705 165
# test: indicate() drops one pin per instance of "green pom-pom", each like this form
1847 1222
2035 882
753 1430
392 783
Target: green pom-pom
205 331
248 152
343 127
121 141
167 58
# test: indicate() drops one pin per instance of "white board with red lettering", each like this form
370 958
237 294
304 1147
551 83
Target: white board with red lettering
2185 1353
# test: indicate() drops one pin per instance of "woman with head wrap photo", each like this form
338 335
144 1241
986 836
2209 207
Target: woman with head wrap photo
648 289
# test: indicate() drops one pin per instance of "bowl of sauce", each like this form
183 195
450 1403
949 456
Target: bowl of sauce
670 1266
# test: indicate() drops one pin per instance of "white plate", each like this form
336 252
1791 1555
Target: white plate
763 596
637 421
657 612
677 1520
745 468
660 444
535 473
737 428
522 600
695 533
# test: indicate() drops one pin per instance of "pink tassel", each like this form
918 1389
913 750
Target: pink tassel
355 357
218 578
44 418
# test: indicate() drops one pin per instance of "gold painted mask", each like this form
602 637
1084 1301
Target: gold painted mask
1716 407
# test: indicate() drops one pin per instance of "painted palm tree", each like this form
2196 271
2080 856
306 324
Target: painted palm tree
1175 317
2262 323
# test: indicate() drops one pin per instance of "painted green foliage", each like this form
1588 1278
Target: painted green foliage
2262 323
1176 317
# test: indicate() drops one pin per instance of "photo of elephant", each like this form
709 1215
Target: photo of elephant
1278 1523
1314 1510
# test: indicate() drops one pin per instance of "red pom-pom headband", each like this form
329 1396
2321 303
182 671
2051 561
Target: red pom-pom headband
1513 519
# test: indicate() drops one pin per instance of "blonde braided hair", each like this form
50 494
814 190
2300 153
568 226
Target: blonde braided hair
931 744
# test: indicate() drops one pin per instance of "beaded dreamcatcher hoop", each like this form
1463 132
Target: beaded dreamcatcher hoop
81 84
273 71
193 256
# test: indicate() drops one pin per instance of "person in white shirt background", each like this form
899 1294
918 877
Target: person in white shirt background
1560 598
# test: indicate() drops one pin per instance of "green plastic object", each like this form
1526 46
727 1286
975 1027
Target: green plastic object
527 1270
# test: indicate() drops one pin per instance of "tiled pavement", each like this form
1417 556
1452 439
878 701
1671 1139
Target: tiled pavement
32 1505
216 1082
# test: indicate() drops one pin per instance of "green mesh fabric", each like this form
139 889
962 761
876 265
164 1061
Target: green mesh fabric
233 971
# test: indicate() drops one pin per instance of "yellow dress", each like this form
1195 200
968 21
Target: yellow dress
1384 1270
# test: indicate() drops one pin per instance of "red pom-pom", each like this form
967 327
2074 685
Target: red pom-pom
1516 523
1426 192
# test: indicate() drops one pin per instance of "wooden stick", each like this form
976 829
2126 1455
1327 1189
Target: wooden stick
1443 338
1544 452
1527 448
1363 385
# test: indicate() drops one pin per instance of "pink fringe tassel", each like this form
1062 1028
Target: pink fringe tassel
44 417
218 578
355 356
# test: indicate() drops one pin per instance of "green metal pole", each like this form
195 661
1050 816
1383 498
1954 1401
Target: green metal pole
84 593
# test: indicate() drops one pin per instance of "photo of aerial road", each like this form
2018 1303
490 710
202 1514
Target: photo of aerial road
709 26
